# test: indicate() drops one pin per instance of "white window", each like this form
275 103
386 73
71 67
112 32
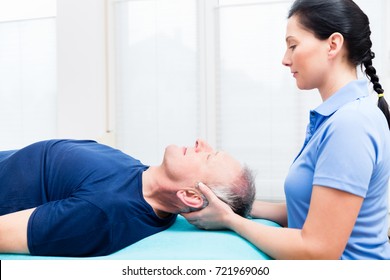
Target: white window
27 72
156 76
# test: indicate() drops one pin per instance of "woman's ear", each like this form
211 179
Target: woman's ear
191 198
335 43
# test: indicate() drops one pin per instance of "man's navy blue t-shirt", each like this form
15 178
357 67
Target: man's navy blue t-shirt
88 196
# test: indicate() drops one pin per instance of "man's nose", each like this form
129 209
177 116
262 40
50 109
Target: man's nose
202 146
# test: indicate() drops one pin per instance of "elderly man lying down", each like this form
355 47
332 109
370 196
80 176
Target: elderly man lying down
82 198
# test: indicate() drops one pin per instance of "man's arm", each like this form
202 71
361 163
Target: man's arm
13 232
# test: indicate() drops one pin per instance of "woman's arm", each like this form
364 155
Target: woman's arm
325 233
13 232
273 211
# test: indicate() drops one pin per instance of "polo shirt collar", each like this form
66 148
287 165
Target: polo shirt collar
352 91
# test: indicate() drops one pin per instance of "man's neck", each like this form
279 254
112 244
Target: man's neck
156 192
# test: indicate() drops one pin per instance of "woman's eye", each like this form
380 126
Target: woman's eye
292 47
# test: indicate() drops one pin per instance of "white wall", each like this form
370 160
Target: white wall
28 87
81 54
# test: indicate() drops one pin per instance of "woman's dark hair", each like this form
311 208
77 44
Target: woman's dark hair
325 17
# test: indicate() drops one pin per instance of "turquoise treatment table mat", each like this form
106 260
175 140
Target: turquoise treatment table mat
182 241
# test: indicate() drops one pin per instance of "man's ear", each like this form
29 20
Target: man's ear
335 43
190 198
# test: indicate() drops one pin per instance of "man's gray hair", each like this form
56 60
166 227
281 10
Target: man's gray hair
241 194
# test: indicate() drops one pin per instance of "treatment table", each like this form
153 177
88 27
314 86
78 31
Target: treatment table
182 241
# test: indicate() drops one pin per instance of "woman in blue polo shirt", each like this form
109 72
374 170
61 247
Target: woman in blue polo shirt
337 187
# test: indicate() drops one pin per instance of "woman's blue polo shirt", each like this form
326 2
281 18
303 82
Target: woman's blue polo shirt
347 147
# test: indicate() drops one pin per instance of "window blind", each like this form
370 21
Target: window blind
28 81
260 114
156 76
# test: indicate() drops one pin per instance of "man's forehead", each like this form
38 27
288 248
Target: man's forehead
228 164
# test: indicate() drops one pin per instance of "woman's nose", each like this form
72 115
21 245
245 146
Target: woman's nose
202 146
286 61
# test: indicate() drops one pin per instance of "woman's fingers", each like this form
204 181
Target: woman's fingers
207 192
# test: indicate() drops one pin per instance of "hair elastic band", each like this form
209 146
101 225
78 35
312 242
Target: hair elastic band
381 95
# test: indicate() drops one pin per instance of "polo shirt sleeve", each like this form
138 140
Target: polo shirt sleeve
68 227
346 154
